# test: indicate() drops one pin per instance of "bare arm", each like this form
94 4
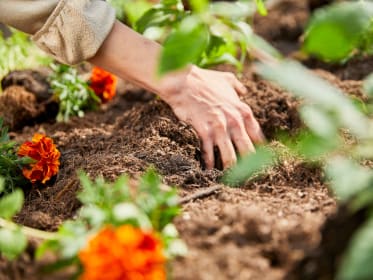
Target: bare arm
208 100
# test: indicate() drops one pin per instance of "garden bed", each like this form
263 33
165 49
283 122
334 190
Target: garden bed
259 230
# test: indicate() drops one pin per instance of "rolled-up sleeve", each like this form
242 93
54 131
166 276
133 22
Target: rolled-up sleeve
69 30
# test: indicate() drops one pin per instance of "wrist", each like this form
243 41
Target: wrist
172 83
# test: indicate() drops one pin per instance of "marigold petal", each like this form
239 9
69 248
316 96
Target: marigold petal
46 155
120 253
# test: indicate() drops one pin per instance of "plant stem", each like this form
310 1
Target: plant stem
29 232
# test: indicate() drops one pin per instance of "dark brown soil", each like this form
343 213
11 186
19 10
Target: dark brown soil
254 232
262 230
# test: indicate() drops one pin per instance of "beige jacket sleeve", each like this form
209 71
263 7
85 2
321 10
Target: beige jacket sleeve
69 30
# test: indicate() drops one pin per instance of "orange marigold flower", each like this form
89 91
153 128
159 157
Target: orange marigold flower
123 253
46 156
103 84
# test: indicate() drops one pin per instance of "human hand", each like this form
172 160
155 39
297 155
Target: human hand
208 100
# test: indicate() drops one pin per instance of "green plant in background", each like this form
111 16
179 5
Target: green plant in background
18 52
208 34
73 94
340 31
10 164
129 11
12 240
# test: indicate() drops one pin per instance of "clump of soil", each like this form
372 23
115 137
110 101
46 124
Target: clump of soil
323 261
274 108
18 107
26 99
33 81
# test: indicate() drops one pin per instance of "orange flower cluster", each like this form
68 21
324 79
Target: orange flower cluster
103 84
46 156
123 253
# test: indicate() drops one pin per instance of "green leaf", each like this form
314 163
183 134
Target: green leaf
199 5
347 177
261 7
129 212
311 146
336 31
368 86
184 46
2 184
234 10
12 243
73 237
11 204
249 165
357 261
94 215
88 193
318 121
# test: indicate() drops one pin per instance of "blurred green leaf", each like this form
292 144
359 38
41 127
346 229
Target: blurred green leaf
199 5
368 85
357 261
232 10
11 204
335 31
310 146
249 165
347 177
261 7
318 121
184 46
129 213
2 184
12 243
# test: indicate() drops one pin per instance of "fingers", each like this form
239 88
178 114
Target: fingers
241 139
252 126
207 145
223 141
237 85
227 152
232 134
208 153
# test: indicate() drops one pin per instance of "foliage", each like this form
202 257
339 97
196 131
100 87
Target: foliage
12 240
148 207
211 33
18 52
73 94
129 11
10 164
340 31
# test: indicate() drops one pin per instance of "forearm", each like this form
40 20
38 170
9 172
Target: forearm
132 57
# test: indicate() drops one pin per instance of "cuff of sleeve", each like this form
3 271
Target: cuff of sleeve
75 30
